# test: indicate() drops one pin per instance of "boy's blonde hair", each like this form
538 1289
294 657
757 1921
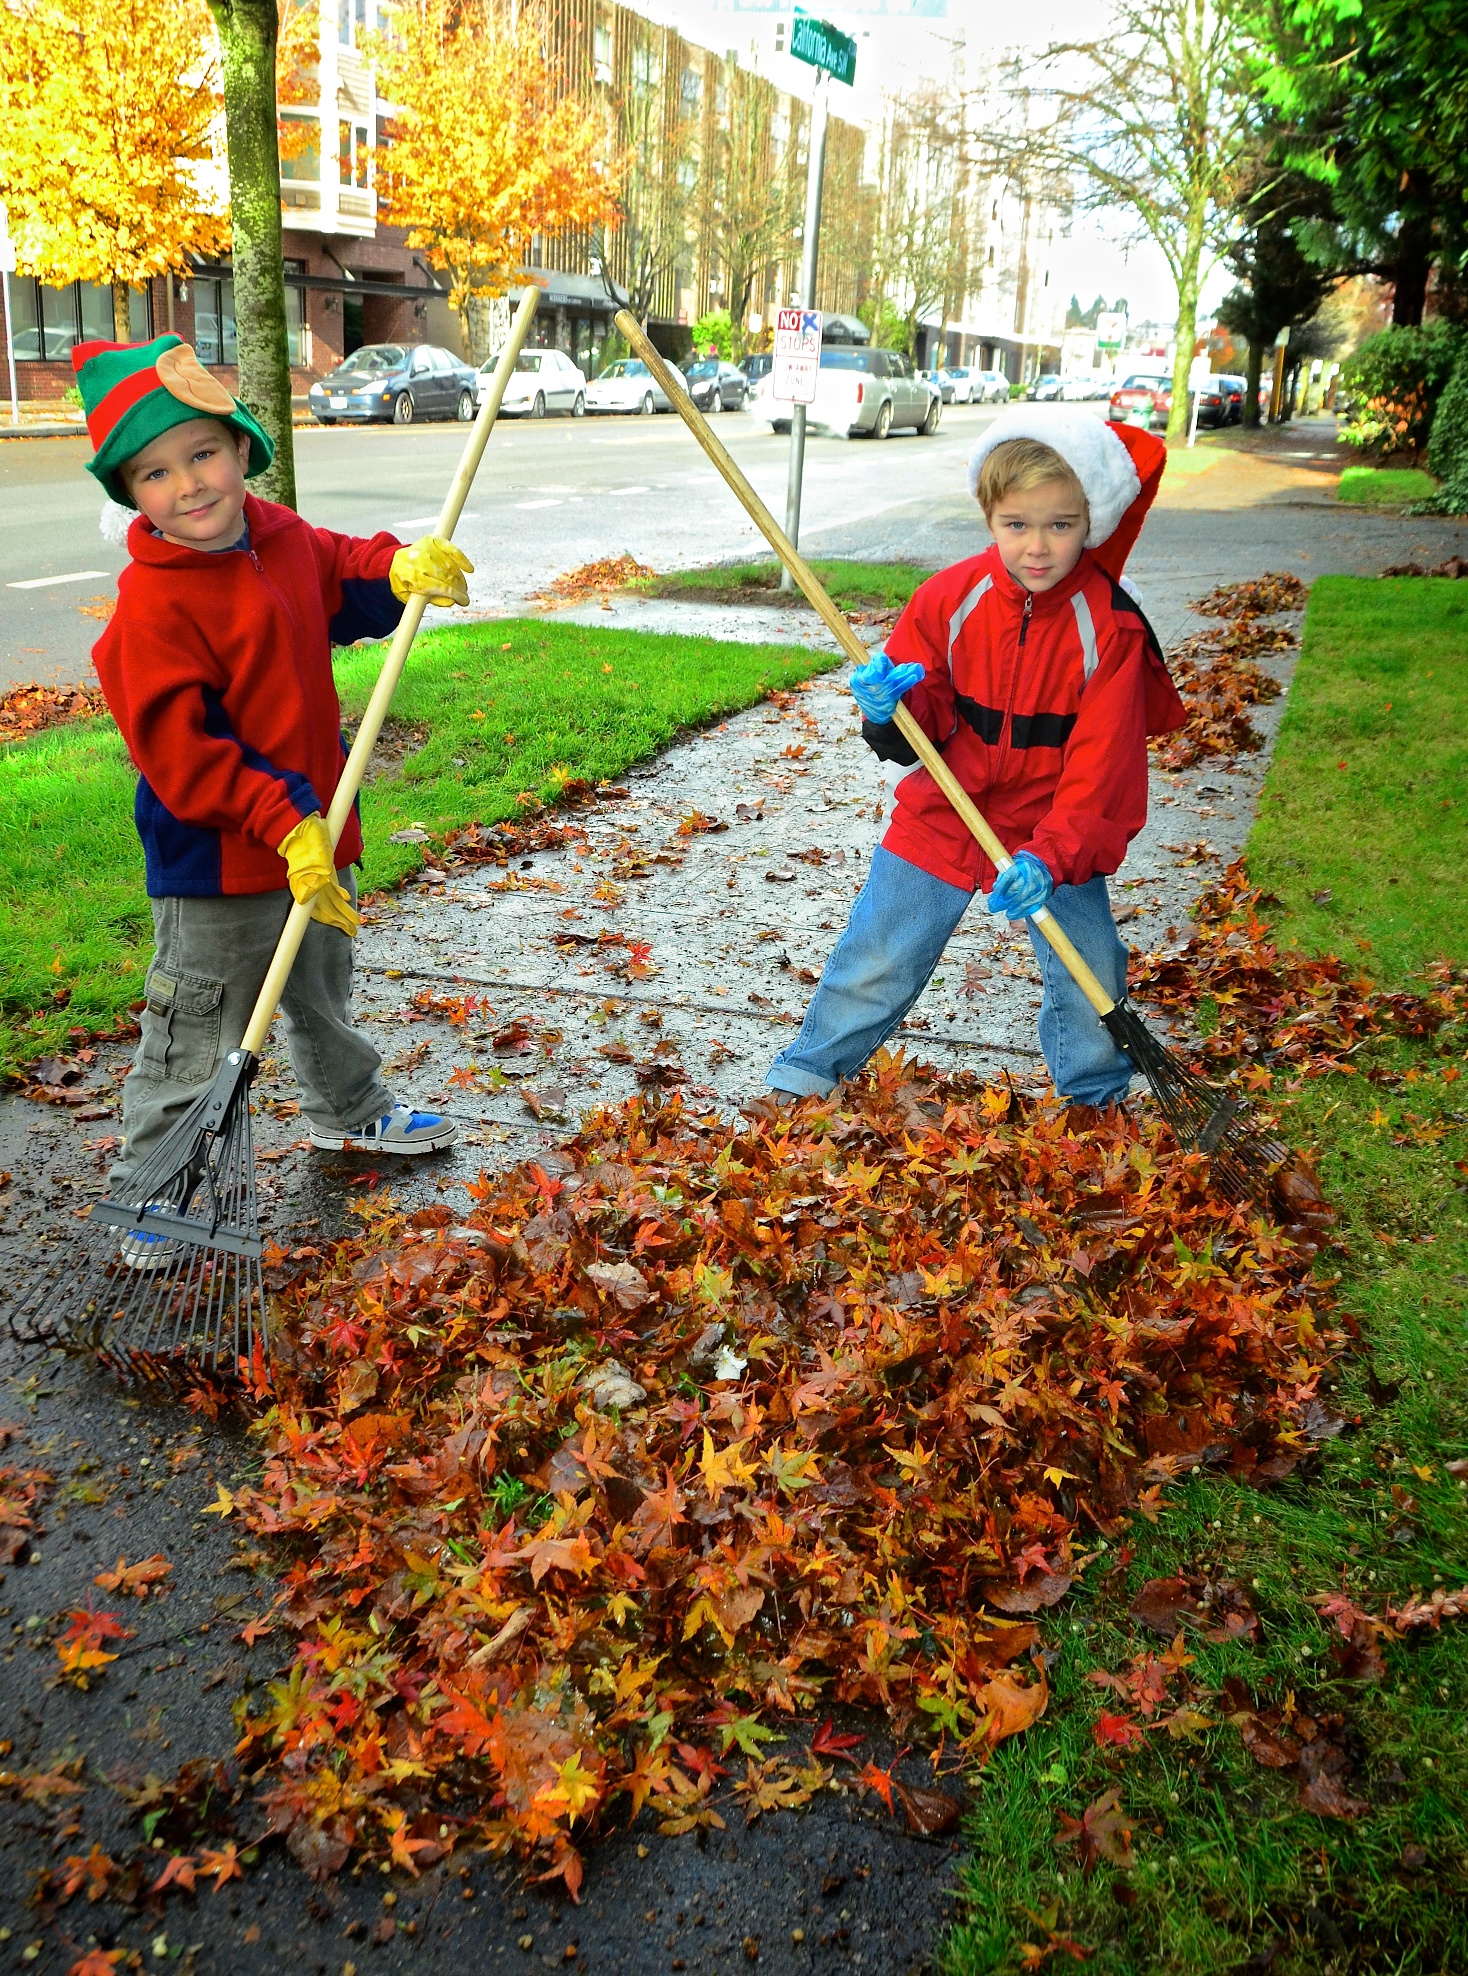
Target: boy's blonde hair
1019 464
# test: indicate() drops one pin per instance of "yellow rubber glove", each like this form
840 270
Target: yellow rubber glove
311 874
431 568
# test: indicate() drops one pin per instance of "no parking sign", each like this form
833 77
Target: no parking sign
797 355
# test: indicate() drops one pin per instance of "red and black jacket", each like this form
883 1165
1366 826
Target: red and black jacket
1042 703
217 669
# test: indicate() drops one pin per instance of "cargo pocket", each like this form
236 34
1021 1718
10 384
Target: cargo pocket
180 1026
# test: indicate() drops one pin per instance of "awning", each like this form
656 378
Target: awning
576 291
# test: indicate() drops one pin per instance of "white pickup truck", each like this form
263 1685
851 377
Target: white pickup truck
858 390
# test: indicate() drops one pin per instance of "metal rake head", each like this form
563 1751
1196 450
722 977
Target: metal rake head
165 1282
1203 1119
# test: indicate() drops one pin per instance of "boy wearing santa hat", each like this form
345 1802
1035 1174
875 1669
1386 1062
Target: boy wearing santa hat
1038 677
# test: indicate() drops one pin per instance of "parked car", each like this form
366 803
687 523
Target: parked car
1078 389
942 383
989 387
1139 397
715 386
542 381
1222 400
396 381
1042 389
859 390
627 385
756 365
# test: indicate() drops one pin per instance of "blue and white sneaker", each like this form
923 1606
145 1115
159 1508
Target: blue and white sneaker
402 1131
141 1249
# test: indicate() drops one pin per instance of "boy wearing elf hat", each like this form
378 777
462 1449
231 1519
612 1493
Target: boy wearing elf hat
216 666
1035 672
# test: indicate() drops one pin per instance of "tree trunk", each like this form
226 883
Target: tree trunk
1253 372
1414 265
121 321
1187 336
247 34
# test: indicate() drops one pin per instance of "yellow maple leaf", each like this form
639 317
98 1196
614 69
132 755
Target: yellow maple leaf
724 1468
223 1504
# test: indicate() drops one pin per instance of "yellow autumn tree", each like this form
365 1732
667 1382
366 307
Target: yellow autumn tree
106 110
486 148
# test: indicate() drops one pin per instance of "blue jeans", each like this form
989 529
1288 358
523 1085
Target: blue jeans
902 920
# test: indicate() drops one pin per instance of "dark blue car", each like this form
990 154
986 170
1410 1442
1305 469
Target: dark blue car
396 381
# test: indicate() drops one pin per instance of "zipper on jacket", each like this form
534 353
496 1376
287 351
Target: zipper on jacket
1008 728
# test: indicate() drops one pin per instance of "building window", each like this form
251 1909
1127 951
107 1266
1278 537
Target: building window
214 334
601 46
691 90
300 150
47 322
645 67
351 22
352 155
215 340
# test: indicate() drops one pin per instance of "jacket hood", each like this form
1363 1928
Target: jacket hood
1119 468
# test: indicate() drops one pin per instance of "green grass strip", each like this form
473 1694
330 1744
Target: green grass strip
1384 487
1230 1872
510 708
881 586
1368 798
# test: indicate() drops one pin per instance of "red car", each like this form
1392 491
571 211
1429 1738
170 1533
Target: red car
1140 398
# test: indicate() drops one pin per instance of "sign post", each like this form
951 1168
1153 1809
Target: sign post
7 269
831 53
1199 372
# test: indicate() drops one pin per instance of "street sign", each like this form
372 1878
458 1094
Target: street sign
1111 329
797 355
1199 372
823 47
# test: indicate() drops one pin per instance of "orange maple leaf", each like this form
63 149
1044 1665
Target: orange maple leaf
222 1865
147 1574
179 1872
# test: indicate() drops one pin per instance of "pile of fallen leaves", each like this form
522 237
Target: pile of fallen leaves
574 586
27 710
1215 673
1455 569
1276 1009
691 1431
1262 596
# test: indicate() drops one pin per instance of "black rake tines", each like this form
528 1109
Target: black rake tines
1203 1119
191 1299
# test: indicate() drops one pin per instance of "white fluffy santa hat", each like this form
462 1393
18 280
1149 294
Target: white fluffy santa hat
1117 466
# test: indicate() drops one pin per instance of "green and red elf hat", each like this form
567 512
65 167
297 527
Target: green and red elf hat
132 393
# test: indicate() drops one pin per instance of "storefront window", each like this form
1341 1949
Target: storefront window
50 321
214 331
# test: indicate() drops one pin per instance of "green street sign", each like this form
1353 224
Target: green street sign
824 47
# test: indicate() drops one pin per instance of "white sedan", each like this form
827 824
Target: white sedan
627 386
542 381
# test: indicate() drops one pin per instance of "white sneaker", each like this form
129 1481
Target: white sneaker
401 1131
141 1249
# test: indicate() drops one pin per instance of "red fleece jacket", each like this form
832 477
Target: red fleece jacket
1042 704
217 669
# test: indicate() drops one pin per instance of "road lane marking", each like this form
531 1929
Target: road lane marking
846 521
539 504
75 576
629 490
419 521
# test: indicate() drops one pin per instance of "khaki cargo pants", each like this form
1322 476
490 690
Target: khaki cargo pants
201 987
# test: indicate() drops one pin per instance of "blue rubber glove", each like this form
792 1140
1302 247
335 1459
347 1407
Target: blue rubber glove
1023 888
877 686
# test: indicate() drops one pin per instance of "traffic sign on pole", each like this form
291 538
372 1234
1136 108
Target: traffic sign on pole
823 47
797 362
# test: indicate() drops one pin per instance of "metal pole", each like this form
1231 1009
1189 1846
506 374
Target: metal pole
807 301
10 350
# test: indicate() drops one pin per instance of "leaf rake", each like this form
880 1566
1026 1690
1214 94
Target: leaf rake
1243 1162
166 1283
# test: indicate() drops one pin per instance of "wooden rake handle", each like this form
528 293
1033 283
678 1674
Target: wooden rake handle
847 639
294 931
